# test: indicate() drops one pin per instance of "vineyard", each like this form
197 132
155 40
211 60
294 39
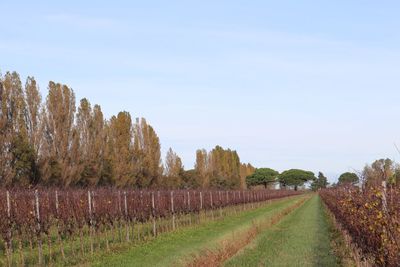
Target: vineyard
46 226
371 219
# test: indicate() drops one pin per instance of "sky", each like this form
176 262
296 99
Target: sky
288 84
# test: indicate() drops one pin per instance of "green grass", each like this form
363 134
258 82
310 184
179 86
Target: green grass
172 249
300 239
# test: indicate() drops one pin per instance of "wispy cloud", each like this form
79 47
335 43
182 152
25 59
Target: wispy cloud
81 21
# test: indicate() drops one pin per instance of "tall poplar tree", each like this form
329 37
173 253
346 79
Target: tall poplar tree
61 139
202 168
33 113
147 155
120 149
245 170
90 126
6 170
173 170
18 162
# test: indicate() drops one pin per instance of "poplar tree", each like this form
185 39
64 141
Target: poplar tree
245 170
61 140
224 168
17 161
90 126
6 170
33 114
202 168
147 155
52 144
173 170
120 149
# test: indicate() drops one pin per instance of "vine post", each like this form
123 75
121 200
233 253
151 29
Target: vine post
58 226
172 210
8 242
220 204
126 217
153 212
90 222
212 206
190 214
38 228
201 200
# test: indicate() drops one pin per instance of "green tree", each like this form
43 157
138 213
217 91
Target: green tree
348 178
23 162
13 125
295 178
320 182
262 176
190 179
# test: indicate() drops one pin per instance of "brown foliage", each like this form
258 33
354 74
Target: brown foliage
372 219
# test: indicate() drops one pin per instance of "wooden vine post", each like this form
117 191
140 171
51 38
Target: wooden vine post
212 206
58 227
38 228
220 203
172 210
90 222
153 212
8 242
189 211
126 217
201 200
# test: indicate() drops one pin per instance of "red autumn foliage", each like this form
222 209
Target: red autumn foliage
70 210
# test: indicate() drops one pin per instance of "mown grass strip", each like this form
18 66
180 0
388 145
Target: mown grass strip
172 249
300 239
231 246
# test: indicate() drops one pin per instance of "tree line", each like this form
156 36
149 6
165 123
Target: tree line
293 178
372 175
58 142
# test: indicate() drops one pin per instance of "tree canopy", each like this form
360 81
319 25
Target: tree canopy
57 141
262 176
320 182
295 178
348 178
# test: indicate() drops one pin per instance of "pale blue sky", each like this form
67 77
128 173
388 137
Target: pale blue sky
288 84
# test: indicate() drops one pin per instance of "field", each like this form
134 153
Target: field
300 237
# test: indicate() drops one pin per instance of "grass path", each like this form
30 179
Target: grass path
173 249
300 239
